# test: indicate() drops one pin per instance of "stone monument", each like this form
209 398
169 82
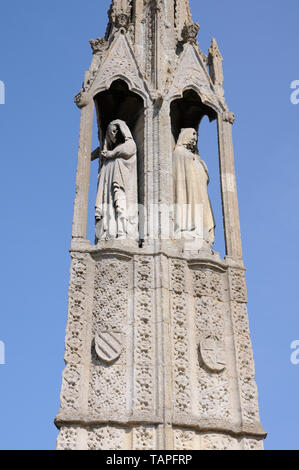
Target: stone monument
158 351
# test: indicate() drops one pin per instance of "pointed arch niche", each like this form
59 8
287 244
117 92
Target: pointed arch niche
190 111
119 102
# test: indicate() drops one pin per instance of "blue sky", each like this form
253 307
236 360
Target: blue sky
44 52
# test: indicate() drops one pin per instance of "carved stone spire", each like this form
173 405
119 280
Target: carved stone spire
215 64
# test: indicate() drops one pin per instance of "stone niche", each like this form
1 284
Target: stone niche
188 111
118 102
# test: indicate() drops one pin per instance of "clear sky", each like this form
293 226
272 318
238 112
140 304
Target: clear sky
44 52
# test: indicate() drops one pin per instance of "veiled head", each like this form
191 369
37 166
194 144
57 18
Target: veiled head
188 138
117 133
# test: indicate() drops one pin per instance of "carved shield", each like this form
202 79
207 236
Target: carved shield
108 346
212 353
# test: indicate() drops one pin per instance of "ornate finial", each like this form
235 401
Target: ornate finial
215 65
214 51
190 32
119 15
98 46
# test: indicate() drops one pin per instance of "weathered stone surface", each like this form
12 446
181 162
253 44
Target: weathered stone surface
158 351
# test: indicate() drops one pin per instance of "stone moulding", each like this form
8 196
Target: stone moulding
118 63
134 274
191 73
178 373
235 431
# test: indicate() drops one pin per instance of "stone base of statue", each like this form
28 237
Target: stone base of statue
158 351
167 334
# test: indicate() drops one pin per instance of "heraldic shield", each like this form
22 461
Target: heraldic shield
212 353
108 346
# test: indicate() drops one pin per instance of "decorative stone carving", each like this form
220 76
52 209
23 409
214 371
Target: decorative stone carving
144 392
190 32
193 213
120 13
188 439
184 439
122 21
108 346
253 444
144 438
116 209
109 382
158 352
98 46
245 365
106 438
74 335
219 442
212 353
213 383
181 357
191 73
117 62
215 66
228 117
238 286
67 439
214 51
182 15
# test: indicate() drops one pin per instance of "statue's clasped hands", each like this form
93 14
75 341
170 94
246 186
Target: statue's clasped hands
107 154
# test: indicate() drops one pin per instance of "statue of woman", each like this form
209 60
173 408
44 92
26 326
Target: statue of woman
193 215
116 209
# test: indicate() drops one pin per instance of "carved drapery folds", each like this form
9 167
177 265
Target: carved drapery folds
116 208
158 352
193 218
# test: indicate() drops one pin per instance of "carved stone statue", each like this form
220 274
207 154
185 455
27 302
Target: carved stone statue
193 216
116 209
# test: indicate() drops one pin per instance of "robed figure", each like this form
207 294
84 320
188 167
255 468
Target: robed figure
193 215
116 209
